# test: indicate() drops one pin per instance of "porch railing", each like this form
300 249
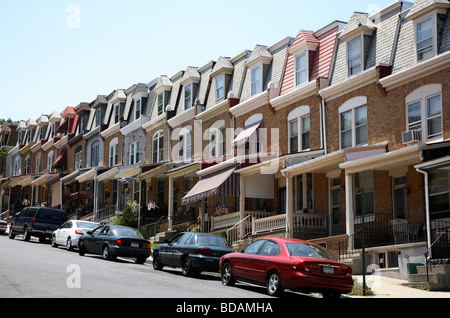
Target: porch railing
240 230
303 223
229 220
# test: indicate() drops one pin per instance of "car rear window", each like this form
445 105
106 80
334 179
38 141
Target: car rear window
47 214
300 249
86 225
123 231
212 240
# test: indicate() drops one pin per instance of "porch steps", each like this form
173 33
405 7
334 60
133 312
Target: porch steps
439 278
162 236
355 262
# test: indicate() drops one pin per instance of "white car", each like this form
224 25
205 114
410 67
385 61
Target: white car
3 225
70 232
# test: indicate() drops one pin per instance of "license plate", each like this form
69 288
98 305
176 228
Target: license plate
328 270
134 245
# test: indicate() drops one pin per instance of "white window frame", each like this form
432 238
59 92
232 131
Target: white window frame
297 116
359 56
137 109
161 104
114 152
134 153
188 100
16 170
303 192
217 142
26 165
95 150
256 83
220 89
422 54
185 144
351 107
421 96
98 117
50 159
116 113
299 71
37 166
79 159
159 150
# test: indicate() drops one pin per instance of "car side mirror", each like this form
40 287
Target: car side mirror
89 232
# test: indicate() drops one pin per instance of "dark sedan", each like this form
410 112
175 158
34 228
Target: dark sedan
193 252
111 241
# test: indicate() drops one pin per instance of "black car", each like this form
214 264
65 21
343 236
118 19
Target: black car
111 241
36 221
193 252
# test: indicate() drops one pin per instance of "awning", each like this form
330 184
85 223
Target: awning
62 159
108 175
243 137
70 177
26 182
88 175
128 172
208 186
4 182
16 181
40 180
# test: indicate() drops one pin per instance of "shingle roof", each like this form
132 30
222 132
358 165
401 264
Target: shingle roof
419 5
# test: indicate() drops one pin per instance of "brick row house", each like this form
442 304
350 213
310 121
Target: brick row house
317 137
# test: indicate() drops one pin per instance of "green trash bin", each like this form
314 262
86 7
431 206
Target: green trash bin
412 268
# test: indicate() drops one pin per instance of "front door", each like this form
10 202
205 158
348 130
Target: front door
400 198
335 206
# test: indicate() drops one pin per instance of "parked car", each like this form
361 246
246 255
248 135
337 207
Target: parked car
36 221
281 263
193 252
70 232
3 225
112 241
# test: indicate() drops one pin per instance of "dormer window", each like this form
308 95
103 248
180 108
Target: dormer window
301 68
161 103
137 111
188 97
116 113
220 87
256 80
98 117
425 39
354 57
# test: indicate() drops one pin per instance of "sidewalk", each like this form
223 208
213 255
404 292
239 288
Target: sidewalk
386 287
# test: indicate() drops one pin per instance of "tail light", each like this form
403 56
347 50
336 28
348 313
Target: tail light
34 221
205 251
79 232
118 242
149 246
301 266
349 271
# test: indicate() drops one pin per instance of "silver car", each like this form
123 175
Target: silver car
70 232
3 225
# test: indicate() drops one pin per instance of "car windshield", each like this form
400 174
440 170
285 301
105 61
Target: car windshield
300 249
126 231
212 240
86 225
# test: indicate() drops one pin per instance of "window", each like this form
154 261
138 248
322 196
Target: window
353 127
254 247
354 56
16 170
188 97
160 192
137 112
400 198
27 165
21 136
217 142
256 80
424 111
42 131
98 117
29 133
158 147
304 192
184 145
134 153
301 125
38 164
293 136
113 152
425 47
52 130
301 69
439 193
95 154
160 103
364 193
116 113
50 160
78 158
220 87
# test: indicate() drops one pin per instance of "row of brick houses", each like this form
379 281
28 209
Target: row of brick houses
312 137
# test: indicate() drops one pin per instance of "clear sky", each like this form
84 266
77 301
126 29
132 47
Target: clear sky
58 53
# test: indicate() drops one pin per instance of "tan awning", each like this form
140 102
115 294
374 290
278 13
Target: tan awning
88 175
208 186
243 137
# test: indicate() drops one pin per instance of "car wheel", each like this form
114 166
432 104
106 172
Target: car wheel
69 246
81 248
105 254
53 241
157 265
11 235
140 260
187 267
26 234
273 284
227 275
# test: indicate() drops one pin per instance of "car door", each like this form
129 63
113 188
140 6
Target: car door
243 263
63 233
99 239
179 249
89 239
165 250
262 261
19 220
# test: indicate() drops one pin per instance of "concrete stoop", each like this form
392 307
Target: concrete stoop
439 278
355 262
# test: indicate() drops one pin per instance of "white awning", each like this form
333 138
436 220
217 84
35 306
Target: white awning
243 137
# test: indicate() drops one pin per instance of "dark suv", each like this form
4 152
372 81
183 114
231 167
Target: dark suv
36 221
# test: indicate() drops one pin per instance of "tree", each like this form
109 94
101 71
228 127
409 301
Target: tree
129 215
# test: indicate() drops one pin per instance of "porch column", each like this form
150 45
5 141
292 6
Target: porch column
349 211
242 203
170 210
289 208
201 214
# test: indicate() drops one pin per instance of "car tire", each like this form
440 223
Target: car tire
11 235
226 275
186 267
26 234
273 284
106 255
69 246
53 241
157 265
81 248
140 260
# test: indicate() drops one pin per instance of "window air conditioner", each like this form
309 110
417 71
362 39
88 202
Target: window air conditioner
412 136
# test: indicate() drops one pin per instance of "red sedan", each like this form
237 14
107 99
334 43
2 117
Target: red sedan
280 263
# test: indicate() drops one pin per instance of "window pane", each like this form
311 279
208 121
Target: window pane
256 80
414 116
301 69
434 105
346 120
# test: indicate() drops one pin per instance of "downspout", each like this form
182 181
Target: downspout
324 128
427 210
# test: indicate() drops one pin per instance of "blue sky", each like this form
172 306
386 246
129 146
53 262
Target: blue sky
55 54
